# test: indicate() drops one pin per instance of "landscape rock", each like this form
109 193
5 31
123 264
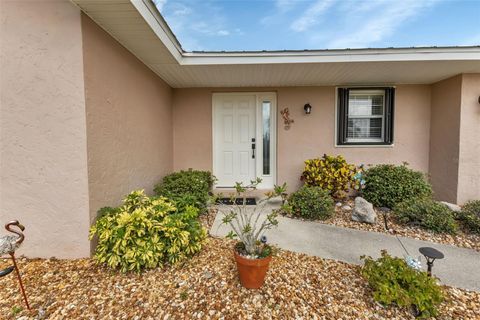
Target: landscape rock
346 207
333 290
343 218
363 211
451 206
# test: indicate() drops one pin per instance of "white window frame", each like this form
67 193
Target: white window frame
336 113
360 92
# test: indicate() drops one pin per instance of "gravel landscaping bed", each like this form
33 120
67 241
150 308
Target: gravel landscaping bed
342 218
207 287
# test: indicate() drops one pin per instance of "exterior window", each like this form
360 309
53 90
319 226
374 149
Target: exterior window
266 107
365 116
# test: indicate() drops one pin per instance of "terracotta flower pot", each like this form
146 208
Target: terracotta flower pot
252 272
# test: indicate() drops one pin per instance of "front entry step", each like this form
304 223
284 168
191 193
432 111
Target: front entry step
231 192
238 201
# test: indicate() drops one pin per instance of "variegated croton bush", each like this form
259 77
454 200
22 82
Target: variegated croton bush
146 232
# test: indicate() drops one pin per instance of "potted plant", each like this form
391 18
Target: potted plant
248 224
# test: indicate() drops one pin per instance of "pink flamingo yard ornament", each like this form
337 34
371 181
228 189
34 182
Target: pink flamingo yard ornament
8 245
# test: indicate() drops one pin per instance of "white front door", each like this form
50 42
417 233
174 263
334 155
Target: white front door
244 138
234 122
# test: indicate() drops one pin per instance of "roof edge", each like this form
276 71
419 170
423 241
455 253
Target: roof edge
334 56
160 27
158 24
385 50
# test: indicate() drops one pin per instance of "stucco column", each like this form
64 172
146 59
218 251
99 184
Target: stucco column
445 137
469 154
455 139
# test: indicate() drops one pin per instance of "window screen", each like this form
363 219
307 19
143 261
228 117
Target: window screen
365 116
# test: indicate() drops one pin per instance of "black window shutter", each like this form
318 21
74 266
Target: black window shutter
343 96
342 115
389 114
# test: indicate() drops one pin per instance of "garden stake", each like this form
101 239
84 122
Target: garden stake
385 216
401 243
20 280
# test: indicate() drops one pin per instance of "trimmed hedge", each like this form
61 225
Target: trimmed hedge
428 214
470 216
185 188
310 203
387 185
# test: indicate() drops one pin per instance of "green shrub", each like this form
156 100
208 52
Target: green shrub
187 188
426 213
310 203
329 173
394 282
387 185
146 232
470 216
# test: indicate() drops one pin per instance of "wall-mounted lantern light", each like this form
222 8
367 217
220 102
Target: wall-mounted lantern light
307 108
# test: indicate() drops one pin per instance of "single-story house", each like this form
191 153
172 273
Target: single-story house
98 98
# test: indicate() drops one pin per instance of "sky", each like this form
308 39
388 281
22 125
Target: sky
216 25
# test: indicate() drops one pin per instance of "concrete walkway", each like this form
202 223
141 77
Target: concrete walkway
460 268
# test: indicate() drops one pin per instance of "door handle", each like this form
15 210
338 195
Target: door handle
253 148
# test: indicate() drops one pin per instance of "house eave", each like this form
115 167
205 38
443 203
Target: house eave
140 28
160 26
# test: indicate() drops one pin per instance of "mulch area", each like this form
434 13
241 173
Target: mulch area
342 218
207 287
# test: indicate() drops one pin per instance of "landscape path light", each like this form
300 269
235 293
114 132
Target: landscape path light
430 254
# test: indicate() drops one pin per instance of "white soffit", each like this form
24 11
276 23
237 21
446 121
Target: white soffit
138 26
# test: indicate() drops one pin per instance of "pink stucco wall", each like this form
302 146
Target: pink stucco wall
469 153
445 137
192 129
310 136
43 164
129 120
